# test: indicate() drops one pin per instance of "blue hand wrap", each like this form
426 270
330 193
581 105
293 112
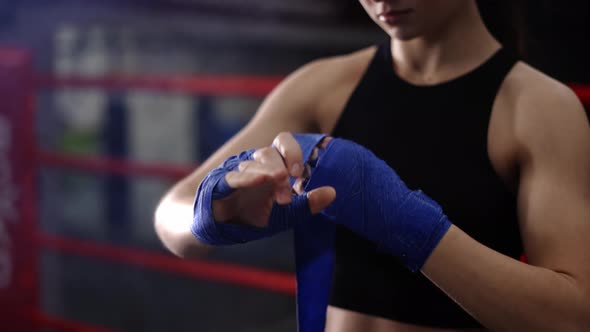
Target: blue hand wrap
214 186
374 202
314 257
371 200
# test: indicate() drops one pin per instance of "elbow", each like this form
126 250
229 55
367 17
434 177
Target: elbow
160 220
576 321
584 321
172 225
560 324
581 321
171 241
578 325
164 233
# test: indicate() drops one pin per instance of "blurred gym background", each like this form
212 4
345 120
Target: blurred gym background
95 39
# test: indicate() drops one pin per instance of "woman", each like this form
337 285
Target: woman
504 149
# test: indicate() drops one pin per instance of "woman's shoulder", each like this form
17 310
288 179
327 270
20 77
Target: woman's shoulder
335 68
322 86
312 80
540 105
298 101
527 87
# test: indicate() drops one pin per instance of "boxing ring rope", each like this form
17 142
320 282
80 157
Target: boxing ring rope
112 166
17 63
583 92
279 282
213 86
253 86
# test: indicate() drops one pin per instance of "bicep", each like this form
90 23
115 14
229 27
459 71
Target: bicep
555 221
554 193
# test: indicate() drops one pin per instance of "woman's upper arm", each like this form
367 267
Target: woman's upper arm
554 190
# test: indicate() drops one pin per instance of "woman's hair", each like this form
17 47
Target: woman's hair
506 20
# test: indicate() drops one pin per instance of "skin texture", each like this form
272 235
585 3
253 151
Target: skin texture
538 129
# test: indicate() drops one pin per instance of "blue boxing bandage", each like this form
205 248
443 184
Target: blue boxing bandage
374 202
214 186
313 239
371 200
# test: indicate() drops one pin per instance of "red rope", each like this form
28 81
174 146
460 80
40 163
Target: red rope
217 85
113 166
583 92
42 320
280 282
228 85
254 86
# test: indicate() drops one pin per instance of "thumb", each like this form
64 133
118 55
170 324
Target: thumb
320 198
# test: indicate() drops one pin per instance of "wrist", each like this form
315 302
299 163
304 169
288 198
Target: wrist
423 224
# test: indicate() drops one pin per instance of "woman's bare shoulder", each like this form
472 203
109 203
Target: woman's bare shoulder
334 69
527 87
541 106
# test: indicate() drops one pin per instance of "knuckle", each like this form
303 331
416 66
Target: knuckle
262 153
280 138
279 172
266 150
244 166
286 144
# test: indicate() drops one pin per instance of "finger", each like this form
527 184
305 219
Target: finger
290 151
298 186
238 180
244 165
306 171
251 172
274 165
241 180
271 158
255 167
314 154
281 190
320 198
325 142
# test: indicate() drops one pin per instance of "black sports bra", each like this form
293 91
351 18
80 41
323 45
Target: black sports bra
435 137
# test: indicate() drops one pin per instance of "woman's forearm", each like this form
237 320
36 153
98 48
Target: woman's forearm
505 294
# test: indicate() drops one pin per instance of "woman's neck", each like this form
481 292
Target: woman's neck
463 44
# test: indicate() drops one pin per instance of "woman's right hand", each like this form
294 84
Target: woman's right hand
260 182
